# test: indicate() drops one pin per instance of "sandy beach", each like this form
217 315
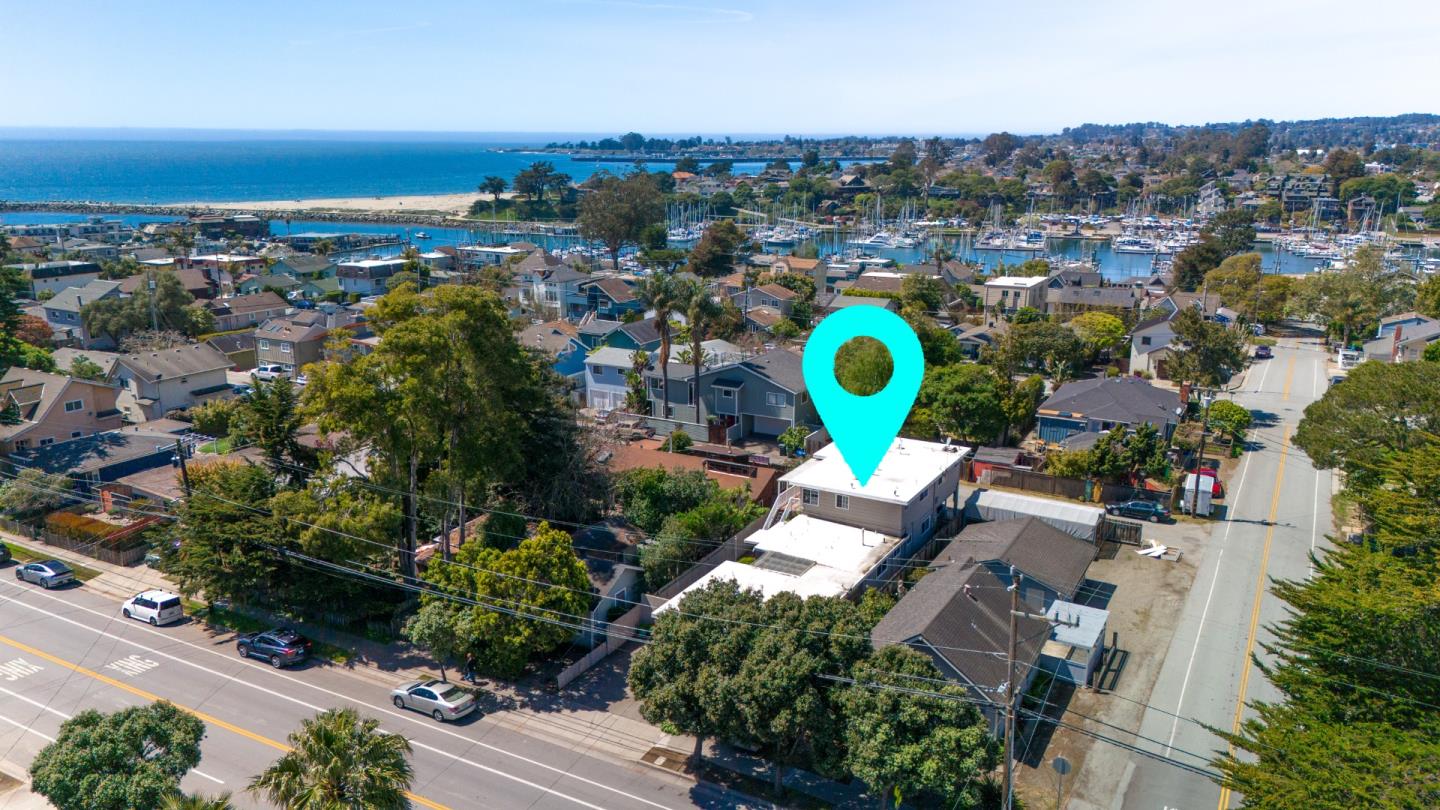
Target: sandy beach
399 204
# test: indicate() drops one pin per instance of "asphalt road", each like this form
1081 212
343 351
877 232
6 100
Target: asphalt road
1280 512
67 650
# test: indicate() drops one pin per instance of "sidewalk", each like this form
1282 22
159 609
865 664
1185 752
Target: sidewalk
116 581
15 791
579 718
595 715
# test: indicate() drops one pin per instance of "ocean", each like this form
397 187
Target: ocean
173 171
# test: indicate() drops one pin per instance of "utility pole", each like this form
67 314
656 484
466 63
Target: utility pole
1016 614
1010 686
184 472
154 319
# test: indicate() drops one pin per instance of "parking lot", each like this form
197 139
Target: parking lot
1144 596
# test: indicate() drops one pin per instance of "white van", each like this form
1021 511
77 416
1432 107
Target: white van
155 607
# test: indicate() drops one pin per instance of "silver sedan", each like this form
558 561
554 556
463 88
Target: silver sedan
439 699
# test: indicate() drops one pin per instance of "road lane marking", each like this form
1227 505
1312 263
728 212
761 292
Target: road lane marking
409 717
1289 378
347 699
1246 664
152 697
1200 631
27 729
202 774
133 665
17 668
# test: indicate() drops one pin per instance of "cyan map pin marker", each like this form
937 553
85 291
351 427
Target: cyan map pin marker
863 427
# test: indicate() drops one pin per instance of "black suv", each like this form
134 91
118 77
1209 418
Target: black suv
1143 510
281 647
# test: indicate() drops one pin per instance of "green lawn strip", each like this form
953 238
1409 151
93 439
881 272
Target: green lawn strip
25 554
218 447
242 623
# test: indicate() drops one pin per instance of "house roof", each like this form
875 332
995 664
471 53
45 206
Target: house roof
962 614
307 263
34 393
64 358
97 451
234 342
880 282
248 304
1130 400
279 281
598 326
614 287
799 264
776 291
292 330
1017 282
780 366
1092 296
642 332
191 279
537 261
180 361
766 317
1036 548
71 299
552 336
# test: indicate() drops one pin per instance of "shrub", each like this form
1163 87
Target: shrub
215 418
79 527
679 441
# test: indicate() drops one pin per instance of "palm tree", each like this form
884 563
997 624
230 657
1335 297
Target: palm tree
494 186
323 247
196 801
340 762
660 292
701 311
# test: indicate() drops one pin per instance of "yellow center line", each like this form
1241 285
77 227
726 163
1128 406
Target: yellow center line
1245 663
208 718
1289 378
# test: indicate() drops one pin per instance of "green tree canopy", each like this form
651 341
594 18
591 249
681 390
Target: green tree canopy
131 758
910 745
1207 352
432 629
340 761
616 210
715 253
1100 331
963 401
541 584
863 366
1379 409
647 496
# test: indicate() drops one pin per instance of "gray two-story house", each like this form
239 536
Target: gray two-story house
1101 404
155 383
762 396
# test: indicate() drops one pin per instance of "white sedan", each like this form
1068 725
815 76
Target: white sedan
439 699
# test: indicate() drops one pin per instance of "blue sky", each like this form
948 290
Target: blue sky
694 66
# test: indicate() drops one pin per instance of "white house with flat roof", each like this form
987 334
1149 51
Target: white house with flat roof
1009 293
829 536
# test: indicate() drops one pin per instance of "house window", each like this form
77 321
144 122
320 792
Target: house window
925 525
46 442
22 444
75 405
842 501
727 393
810 497
265 344
1145 341
775 399
75 434
284 348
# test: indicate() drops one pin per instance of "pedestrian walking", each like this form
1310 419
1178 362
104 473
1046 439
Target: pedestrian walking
469 673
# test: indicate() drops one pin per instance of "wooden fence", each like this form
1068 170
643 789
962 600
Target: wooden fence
1072 488
92 549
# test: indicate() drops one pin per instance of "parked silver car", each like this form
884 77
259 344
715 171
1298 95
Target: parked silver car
48 574
439 699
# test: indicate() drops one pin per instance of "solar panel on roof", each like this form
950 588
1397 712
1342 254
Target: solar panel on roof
784 563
